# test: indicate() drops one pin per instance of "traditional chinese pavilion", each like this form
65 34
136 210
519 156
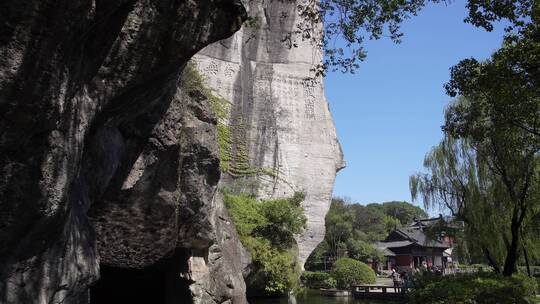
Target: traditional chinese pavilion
410 248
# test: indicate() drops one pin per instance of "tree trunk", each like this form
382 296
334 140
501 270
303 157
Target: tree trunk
491 261
512 253
527 262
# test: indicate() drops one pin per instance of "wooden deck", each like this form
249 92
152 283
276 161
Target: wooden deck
383 292
334 292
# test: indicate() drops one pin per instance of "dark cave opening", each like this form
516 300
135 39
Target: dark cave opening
160 283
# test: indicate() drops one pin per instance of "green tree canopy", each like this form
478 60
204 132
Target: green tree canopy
403 211
284 218
354 21
487 169
500 116
352 229
486 174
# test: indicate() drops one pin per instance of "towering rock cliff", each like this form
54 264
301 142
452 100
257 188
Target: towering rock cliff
282 133
108 164
109 157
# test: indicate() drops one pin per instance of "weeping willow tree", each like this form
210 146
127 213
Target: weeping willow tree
488 177
459 182
486 171
531 244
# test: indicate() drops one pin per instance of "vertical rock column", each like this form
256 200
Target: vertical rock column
279 115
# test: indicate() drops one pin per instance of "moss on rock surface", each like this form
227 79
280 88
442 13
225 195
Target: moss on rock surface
234 155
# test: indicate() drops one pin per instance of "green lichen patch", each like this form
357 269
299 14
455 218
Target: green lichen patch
231 133
194 81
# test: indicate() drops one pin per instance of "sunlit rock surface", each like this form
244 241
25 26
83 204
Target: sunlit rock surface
279 114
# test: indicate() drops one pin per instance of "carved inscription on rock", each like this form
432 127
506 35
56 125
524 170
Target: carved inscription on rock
310 108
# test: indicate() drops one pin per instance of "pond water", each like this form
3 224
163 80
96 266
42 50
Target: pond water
313 298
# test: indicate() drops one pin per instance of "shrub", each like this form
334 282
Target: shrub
475 267
476 288
245 213
317 280
349 272
529 286
330 283
274 270
284 218
266 228
535 270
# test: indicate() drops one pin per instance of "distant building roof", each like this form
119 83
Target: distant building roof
444 221
406 236
384 249
395 244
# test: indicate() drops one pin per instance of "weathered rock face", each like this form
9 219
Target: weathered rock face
280 119
168 211
92 122
168 205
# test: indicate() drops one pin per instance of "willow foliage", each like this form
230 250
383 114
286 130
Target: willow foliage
488 178
459 181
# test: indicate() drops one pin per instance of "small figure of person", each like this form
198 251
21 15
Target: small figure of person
438 271
424 267
403 278
407 282
395 279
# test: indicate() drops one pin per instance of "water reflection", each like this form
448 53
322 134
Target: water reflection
313 298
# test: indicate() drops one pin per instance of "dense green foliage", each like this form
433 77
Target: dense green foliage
353 228
266 228
349 272
487 169
274 272
478 288
499 117
493 196
318 280
244 211
406 213
284 218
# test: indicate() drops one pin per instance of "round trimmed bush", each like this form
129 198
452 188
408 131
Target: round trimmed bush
349 272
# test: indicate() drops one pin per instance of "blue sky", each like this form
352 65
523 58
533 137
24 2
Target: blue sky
388 115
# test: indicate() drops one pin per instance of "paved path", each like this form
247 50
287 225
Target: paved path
385 281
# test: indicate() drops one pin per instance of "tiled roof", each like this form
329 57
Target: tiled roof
415 236
395 244
385 251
